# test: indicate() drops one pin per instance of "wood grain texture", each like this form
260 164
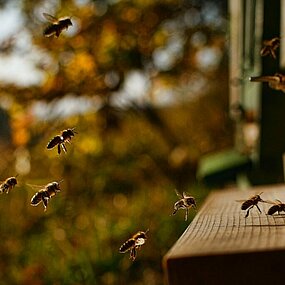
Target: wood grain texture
221 246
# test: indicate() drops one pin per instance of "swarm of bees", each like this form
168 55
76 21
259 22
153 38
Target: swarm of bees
60 140
185 202
248 204
276 81
56 25
134 243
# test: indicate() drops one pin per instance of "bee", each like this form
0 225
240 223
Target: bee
134 243
276 81
59 140
251 202
277 207
269 47
186 202
7 185
43 195
56 26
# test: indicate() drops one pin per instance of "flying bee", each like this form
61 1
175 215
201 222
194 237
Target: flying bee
59 140
43 195
134 243
56 26
251 202
8 184
269 47
277 207
186 202
276 81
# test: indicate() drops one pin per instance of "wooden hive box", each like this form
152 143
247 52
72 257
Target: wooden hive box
221 246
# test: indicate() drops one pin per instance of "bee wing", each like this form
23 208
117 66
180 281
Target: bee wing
50 18
53 142
241 200
36 186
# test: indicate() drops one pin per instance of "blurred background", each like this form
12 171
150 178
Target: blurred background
145 85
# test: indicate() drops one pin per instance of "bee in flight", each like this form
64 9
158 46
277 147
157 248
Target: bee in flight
269 47
56 26
250 203
134 243
277 207
186 202
43 195
8 184
276 81
60 140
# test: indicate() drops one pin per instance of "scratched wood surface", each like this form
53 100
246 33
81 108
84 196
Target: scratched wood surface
221 246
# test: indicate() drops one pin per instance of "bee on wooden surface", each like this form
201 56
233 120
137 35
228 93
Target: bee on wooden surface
43 195
251 202
8 184
134 243
56 26
60 140
277 207
186 202
269 47
276 81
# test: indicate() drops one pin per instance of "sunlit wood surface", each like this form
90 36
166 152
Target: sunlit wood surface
221 246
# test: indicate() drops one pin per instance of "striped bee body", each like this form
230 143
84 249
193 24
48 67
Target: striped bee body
60 140
133 243
269 47
186 202
56 26
251 202
8 184
278 207
45 194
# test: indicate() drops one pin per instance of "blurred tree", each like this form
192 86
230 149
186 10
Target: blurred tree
145 85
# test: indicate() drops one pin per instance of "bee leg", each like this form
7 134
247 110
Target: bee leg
247 212
175 211
58 149
258 208
63 147
45 202
133 254
186 214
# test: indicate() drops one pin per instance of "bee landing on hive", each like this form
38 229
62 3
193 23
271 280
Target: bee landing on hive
56 26
60 140
134 243
276 81
186 202
278 207
8 184
251 202
45 194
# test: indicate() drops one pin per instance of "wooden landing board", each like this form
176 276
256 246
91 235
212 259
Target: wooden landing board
221 246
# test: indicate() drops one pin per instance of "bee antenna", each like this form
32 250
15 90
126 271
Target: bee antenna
60 181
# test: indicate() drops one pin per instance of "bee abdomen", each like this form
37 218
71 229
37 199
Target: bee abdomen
245 205
273 210
127 245
50 30
36 199
53 142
